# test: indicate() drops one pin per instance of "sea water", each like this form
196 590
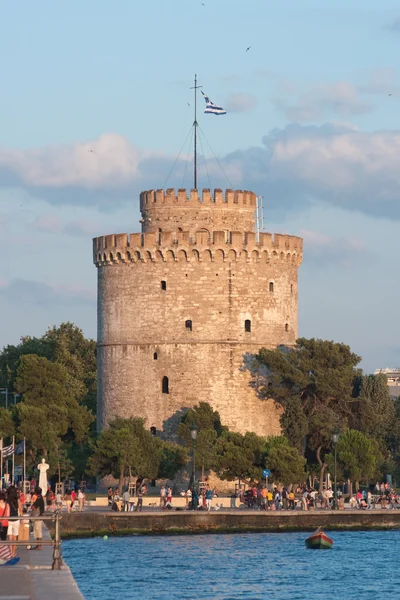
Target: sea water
254 565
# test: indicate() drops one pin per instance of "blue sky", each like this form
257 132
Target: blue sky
310 126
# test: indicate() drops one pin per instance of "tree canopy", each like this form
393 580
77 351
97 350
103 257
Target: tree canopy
127 448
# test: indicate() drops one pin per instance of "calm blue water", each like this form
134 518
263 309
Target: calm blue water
236 566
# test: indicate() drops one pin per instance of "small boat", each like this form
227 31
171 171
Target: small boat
319 541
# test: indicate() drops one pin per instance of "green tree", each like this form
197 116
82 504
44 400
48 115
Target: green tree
126 447
208 423
285 461
314 381
240 456
374 412
77 354
173 458
358 456
65 345
7 429
50 412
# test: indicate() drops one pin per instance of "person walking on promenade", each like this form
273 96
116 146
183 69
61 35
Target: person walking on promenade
168 503
15 511
285 498
81 500
369 500
68 501
49 498
73 498
163 493
304 504
140 493
4 513
37 511
264 502
126 498
291 500
209 497
59 501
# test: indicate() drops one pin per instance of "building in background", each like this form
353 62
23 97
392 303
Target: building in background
393 380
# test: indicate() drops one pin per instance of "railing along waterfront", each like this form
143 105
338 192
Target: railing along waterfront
55 543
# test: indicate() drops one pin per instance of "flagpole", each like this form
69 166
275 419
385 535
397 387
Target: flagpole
1 463
24 465
13 460
195 125
195 131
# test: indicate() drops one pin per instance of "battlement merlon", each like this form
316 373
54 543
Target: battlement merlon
124 247
192 198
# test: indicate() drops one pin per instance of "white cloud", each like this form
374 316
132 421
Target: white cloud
334 163
340 98
240 102
50 223
111 160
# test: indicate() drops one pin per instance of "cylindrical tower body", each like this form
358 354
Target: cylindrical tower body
183 307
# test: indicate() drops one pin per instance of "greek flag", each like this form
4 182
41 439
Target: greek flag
212 108
8 451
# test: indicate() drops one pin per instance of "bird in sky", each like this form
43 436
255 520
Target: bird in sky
390 94
90 150
247 49
203 4
188 103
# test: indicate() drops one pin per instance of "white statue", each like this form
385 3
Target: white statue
42 467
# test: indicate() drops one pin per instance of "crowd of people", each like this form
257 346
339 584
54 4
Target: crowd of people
126 502
14 503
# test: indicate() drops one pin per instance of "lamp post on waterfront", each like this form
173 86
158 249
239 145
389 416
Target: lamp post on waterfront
335 439
193 433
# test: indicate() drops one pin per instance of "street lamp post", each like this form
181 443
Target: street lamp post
335 439
193 433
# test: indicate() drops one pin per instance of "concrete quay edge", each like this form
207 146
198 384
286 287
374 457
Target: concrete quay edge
93 524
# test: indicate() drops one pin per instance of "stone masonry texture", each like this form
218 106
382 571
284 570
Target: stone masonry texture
184 305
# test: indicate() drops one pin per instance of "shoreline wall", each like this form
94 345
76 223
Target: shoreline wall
93 524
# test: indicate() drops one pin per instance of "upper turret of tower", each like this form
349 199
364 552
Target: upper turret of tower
188 211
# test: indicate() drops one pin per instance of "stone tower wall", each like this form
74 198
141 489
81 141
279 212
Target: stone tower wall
170 211
218 280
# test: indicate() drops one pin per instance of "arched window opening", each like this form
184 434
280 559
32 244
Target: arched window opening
271 286
163 285
247 326
286 327
165 385
291 288
155 356
189 325
153 430
159 236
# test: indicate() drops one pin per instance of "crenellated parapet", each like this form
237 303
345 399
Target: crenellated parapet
193 199
188 210
202 246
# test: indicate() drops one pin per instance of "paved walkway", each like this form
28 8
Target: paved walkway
33 579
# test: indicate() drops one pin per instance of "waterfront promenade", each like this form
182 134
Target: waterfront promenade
33 578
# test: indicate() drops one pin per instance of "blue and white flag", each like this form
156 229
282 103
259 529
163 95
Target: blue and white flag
20 448
212 108
8 451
